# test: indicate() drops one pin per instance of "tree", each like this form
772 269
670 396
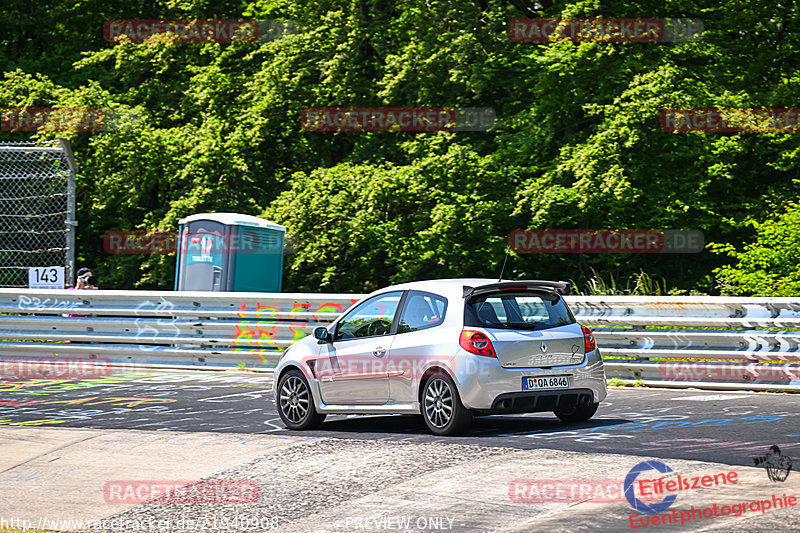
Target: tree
768 265
577 144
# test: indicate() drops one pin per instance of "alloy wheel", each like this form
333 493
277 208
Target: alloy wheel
294 399
438 402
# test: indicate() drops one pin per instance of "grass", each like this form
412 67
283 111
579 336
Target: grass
638 284
616 382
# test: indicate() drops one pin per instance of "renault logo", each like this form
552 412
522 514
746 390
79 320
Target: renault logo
543 347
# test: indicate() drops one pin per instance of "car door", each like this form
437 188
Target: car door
418 341
353 368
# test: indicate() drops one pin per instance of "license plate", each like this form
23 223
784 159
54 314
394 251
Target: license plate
548 382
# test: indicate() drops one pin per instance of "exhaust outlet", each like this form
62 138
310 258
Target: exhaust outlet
586 399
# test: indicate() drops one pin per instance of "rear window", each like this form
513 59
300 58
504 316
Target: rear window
517 310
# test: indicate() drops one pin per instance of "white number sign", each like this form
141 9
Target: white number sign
46 277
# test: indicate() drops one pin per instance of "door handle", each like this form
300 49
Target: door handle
379 352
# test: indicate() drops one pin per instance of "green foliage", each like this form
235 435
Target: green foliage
768 266
359 227
643 285
616 382
215 127
639 284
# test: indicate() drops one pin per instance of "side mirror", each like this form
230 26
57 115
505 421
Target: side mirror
322 335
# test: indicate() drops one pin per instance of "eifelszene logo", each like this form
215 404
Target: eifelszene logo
630 495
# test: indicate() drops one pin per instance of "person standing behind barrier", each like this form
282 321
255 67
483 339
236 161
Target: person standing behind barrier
86 280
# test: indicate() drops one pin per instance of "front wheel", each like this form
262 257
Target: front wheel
579 413
295 404
442 410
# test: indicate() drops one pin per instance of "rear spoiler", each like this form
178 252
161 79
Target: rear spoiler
559 287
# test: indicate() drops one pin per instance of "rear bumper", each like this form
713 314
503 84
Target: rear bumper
487 385
539 401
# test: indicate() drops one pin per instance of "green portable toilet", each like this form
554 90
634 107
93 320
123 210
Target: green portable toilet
229 252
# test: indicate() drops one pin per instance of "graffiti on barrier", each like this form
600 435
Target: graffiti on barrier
34 303
163 328
264 337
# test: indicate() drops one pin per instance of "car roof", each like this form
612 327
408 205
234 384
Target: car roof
451 286
442 284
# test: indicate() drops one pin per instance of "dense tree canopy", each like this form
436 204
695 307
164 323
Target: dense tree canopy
577 142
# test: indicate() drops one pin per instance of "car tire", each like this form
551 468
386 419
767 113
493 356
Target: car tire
441 407
579 413
295 403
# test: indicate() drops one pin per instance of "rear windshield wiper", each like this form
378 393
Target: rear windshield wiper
518 325
523 325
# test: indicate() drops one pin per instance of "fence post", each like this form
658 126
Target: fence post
70 220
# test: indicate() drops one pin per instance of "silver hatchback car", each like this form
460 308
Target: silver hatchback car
448 350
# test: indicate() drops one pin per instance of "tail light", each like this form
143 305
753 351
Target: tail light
477 343
588 339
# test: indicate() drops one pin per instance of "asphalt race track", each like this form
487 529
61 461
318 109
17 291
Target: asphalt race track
357 467
705 426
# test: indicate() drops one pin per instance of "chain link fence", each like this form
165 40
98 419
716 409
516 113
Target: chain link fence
37 209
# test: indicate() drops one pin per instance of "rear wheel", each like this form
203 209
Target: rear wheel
295 404
442 410
579 413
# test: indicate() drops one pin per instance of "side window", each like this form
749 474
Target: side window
371 318
422 310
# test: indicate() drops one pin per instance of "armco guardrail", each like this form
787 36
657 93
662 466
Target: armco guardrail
145 327
697 341
640 337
